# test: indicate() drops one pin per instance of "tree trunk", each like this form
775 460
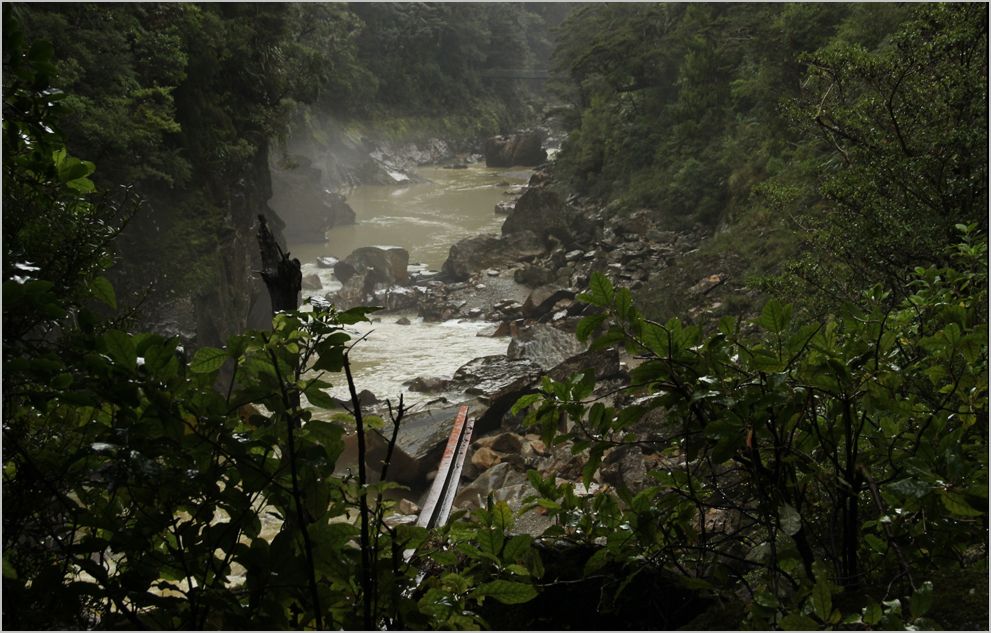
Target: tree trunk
283 276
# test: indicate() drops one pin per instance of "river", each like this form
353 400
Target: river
425 218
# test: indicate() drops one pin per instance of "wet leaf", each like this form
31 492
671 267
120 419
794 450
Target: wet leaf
507 591
207 359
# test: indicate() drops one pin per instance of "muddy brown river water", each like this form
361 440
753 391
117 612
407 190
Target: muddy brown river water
426 219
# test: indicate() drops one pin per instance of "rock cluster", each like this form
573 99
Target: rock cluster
524 149
526 280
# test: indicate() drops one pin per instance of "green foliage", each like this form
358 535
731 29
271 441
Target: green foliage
56 230
905 127
181 102
676 106
426 59
805 458
136 494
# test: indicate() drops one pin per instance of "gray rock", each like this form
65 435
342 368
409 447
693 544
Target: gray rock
706 284
624 468
428 384
542 300
366 398
390 262
492 377
396 298
344 271
542 212
491 481
312 282
402 467
503 442
482 252
605 363
423 435
368 272
533 275
544 344
522 149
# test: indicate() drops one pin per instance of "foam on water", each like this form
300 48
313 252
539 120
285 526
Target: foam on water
425 218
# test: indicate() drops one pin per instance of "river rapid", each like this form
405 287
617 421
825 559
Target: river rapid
425 218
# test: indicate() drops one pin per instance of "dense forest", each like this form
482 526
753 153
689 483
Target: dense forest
814 418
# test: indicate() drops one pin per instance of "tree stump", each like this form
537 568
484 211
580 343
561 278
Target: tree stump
283 277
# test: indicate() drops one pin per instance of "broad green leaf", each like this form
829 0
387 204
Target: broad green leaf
876 543
502 516
921 601
355 315
910 487
766 599
600 291
103 290
506 591
585 386
657 339
328 435
594 459
790 519
958 505
872 613
822 597
624 304
120 347
82 185
727 325
516 547
596 561
797 622
524 402
207 359
775 317
490 541
588 325
8 569
319 398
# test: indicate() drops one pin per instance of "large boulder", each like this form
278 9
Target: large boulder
524 149
373 274
471 255
423 435
491 377
543 212
474 254
605 363
494 479
402 468
389 263
544 344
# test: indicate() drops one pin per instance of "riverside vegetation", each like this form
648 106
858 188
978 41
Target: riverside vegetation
820 453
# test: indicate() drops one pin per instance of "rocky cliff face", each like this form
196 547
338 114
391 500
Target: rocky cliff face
236 299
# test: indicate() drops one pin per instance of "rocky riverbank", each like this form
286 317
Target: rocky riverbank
525 280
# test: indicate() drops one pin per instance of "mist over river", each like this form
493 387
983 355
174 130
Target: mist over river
425 218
